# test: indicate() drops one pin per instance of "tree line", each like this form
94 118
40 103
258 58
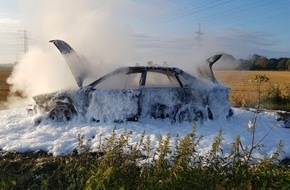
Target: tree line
253 62
262 63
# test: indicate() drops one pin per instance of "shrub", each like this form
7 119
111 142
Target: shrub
275 95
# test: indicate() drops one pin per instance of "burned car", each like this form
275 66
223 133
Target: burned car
136 92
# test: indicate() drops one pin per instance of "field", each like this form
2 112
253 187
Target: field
4 87
243 92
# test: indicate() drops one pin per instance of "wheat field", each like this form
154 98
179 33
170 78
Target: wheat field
4 87
245 91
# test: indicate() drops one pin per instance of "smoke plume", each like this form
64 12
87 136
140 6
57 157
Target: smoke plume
99 30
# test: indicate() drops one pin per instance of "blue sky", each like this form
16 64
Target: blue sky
238 27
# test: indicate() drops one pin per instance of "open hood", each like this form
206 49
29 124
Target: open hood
77 64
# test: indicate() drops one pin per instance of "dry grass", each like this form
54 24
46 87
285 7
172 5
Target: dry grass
245 92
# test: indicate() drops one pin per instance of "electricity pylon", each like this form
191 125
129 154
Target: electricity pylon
199 34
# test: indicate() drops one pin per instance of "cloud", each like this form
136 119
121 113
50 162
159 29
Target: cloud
5 22
242 42
9 37
90 26
257 38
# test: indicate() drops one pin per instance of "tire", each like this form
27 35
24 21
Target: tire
159 111
184 116
61 113
189 115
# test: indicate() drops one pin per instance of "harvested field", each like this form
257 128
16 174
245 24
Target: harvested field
243 91
4 87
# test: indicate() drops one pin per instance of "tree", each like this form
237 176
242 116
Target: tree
282 64
272 64
288 63
261 63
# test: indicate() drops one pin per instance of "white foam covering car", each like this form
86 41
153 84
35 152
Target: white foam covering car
133 93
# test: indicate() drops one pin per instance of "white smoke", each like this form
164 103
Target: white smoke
99 30
88 26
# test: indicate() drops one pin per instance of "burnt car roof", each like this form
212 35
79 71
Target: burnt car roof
155 68
141 69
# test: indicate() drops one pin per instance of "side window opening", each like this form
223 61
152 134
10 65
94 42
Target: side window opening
121 81
161 79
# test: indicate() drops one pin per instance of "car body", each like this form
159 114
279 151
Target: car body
136 92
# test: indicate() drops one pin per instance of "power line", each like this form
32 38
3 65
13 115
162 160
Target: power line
25 40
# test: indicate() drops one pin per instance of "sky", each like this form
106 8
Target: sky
149 30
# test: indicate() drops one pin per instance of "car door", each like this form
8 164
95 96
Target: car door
116 98
161 95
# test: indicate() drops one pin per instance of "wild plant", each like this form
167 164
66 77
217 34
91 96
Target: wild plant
258 80
246 152
118 166
213 155
83 146
276 95
185 153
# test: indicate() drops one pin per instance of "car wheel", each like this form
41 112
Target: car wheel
61 113
184 116
159 111
189 114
